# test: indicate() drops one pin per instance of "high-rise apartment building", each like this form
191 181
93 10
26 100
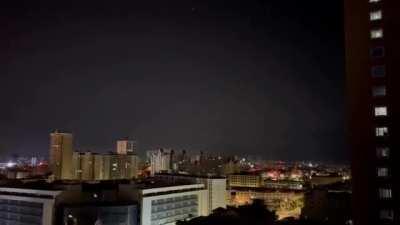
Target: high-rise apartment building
160 160
61 155
126 147
372 31
93 166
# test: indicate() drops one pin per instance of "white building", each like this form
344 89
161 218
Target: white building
215 186
160 160
27 206
168 204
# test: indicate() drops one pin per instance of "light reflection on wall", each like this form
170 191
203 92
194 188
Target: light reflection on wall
284 203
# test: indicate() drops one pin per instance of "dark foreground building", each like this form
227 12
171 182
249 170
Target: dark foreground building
372 30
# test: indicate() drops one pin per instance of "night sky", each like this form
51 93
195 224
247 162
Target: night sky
238 77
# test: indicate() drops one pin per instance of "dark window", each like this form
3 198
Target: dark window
378 71
377 52
382 152
378 91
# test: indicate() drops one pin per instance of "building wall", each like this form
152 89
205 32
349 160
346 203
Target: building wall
160 161
169 208
89 166
17 208
99 171
76 165
126 147
61 155
362 81
216 193
244 180
216 188
284 203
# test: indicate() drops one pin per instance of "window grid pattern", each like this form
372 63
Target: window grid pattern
20 212
172 209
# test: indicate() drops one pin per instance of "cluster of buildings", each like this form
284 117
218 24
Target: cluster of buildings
283 188
67 164
146 202
111 188
94 188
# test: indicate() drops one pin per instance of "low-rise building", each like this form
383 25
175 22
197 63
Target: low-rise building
55 204
215 186
27 206
244 180
165 203
286 203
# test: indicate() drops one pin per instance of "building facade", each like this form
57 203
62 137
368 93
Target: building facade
61 149
285 203
372 37
166 205
27 206
160 160
244 180
92 166
126 147
215 186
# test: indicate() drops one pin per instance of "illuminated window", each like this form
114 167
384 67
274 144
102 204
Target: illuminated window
376 33
378 71
377 52
386 214
381 131
383 172
380 111
378 91
385 193
375 15
382 152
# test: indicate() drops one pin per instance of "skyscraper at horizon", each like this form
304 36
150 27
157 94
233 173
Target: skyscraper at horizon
160 160
372 34
61 150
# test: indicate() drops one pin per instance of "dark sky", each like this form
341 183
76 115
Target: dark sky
242 77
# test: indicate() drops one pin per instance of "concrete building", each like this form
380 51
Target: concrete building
146 202
60 162
285 203
244 180
92 166
126 147
99 167
48 204
215 186
27 206
166 204
372 78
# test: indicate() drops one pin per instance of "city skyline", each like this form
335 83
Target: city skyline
199 112
189 75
